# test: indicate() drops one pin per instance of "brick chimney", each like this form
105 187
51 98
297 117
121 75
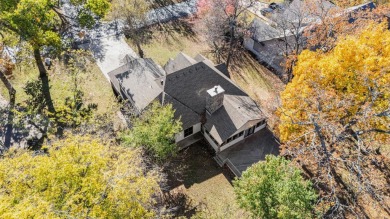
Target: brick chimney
214 99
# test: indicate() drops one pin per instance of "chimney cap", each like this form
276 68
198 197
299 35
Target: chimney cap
215 90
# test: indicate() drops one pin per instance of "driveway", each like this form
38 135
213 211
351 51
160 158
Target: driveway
109 52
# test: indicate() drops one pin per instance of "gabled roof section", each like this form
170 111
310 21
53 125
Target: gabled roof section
187 116
263 31
139 80
223 68
235 113
181 61
190 84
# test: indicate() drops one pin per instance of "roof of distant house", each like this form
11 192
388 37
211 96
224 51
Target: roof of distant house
307 11
262 31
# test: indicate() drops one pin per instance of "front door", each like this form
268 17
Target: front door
250 131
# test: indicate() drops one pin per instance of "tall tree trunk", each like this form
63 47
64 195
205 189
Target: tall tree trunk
46 90
45 81
140 50
230 53
10 118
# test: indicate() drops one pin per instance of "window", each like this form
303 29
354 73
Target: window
240 134
212 138
235 136
260 123
188 131
228 140
257 46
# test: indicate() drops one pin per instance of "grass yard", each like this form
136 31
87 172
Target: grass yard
260 84
178 36
95 86
205 183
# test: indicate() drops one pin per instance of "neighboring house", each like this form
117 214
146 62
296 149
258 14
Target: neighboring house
268 43
268 40
208 103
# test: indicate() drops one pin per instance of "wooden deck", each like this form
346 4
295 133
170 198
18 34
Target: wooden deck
249 151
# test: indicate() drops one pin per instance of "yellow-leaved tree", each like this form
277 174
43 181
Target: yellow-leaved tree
335 123
353 76
76 178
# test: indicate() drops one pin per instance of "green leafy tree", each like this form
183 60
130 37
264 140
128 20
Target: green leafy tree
40 24
275 189
6 68
155 130
134 13
76 178
71 112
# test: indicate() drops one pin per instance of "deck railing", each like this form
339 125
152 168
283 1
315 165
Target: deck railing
233 168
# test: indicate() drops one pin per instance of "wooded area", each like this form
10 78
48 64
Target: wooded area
70 148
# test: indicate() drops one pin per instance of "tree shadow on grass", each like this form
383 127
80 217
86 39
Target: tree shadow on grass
176 29
178 204
194 165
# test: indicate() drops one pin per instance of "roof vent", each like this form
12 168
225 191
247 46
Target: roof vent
214 99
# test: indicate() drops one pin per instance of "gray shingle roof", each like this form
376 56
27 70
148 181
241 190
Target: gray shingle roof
181 61
187 116
186 90
189 85
299 10
139 80
262 31
235 113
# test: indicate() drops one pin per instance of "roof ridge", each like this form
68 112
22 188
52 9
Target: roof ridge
224 76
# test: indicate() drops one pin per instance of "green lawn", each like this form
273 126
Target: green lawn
207 185
260 84
174 38
95 86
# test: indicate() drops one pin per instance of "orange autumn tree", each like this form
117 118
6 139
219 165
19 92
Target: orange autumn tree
335 118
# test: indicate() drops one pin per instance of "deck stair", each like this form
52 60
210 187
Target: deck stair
219 160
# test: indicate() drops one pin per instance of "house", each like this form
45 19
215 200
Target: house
269 34
208 103
267 42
